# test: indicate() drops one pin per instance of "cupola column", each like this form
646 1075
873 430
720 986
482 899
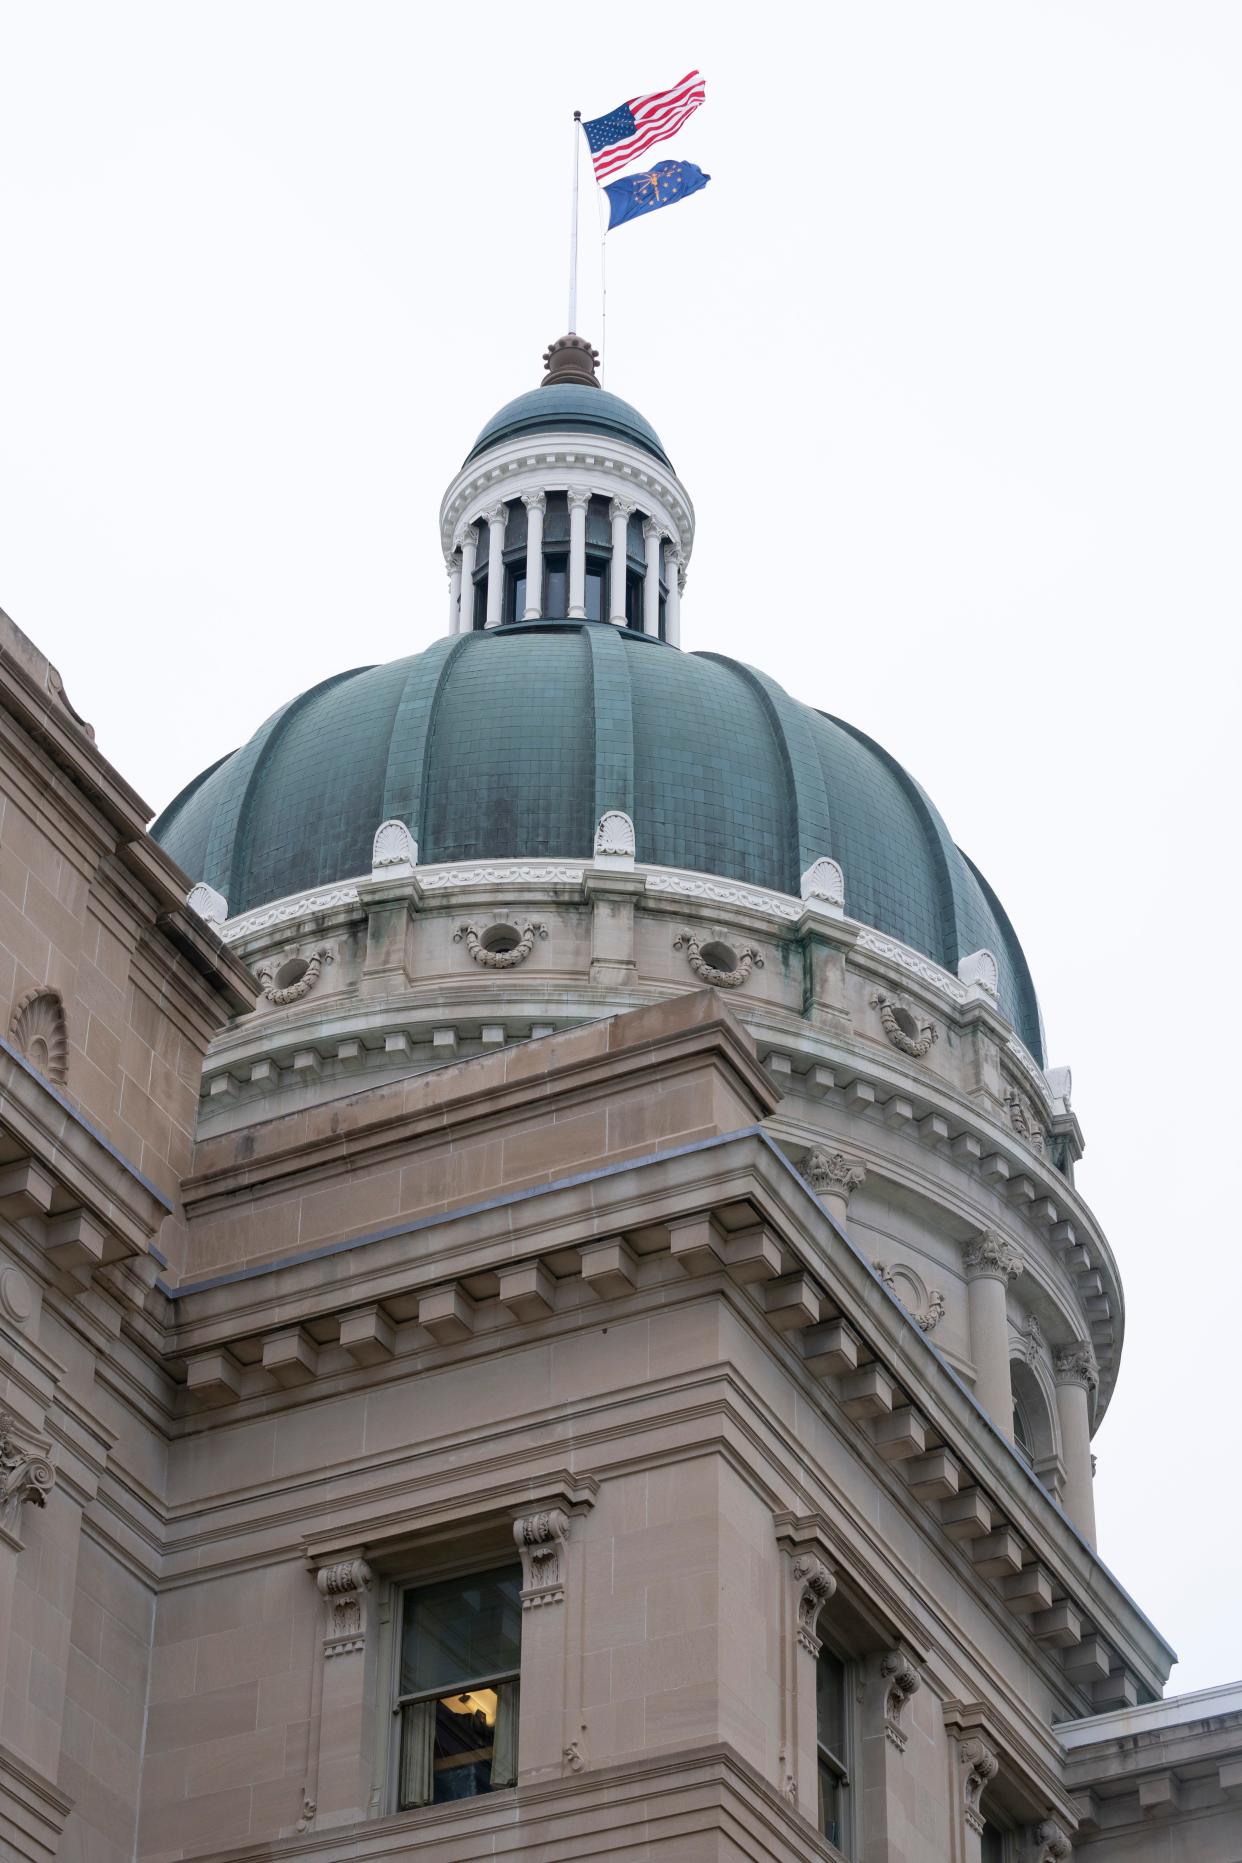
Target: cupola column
465 606
651 586
991 1264
578 502
620 511
497 518
453 565
536 503
672 605
1077 1375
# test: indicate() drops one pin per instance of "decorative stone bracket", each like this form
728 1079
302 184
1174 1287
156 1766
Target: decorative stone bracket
1049 1843
814 1584
902 1027
541 1540
978 1766
506 956
343 1587
731 978
902 1680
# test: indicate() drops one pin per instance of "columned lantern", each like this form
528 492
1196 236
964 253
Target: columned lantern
567 509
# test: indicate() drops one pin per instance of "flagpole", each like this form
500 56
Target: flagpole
573 234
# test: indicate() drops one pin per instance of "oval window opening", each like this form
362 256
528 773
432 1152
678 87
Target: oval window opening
501 938
291 972
906 1022
719 956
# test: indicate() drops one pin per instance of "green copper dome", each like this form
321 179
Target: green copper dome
574 407
512 744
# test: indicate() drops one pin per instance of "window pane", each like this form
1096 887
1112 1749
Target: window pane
594 593
634 601
556 596
831 1805
461 1632
830 1703
993 1849
515 597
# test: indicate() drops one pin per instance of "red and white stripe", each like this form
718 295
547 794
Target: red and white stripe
656 118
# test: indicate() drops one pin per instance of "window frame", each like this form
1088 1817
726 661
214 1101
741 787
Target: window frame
396 1702
841 1765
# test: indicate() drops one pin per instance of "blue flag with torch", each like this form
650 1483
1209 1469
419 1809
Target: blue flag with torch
660 186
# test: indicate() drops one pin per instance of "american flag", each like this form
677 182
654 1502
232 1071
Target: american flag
620 138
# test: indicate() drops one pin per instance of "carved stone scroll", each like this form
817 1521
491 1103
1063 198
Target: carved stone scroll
541 1540
26 1478
343 1587
979 1766
814 1584
902 1680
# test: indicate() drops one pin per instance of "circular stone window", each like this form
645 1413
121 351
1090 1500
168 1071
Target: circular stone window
290 973
905 1022
719 956
501 938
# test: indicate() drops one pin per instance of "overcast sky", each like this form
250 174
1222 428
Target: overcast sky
948 357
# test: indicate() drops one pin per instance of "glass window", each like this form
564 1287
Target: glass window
596 588
457 1691
634 601
556 586
515 593
832 1738
480 601
1021 1433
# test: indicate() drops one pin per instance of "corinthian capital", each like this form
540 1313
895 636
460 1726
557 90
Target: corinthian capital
578 500
831 1172
497 514
989 1255
535 501
622 508
1075 1364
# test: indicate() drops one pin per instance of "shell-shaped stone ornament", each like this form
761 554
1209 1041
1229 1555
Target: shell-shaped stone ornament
38 1031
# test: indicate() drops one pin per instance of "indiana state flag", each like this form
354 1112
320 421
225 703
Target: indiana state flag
658 187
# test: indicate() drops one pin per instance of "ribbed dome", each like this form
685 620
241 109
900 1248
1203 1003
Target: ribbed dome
572 407
511 744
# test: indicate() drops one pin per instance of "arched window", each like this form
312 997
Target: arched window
1035 1434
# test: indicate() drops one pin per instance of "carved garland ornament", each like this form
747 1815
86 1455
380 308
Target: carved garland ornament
39 1031
268 972
902 1028
733 979
500 960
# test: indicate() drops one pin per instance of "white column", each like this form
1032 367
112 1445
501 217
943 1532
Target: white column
453 565
578 502
469 548
620 511
497 518
1076 1375
991 1263
536 504
672 607
651 585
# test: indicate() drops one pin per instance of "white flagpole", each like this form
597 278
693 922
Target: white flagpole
573 234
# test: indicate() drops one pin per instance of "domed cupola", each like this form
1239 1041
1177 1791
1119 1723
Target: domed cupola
567 508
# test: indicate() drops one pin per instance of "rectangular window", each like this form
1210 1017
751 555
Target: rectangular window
480 601
515 592
634 601
832 1731
556 586
596 588
457 1688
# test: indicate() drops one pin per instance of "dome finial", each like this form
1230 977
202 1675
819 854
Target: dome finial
570 359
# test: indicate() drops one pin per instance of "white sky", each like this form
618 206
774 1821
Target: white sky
948 357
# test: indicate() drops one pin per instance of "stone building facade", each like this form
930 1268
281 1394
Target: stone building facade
544 1308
